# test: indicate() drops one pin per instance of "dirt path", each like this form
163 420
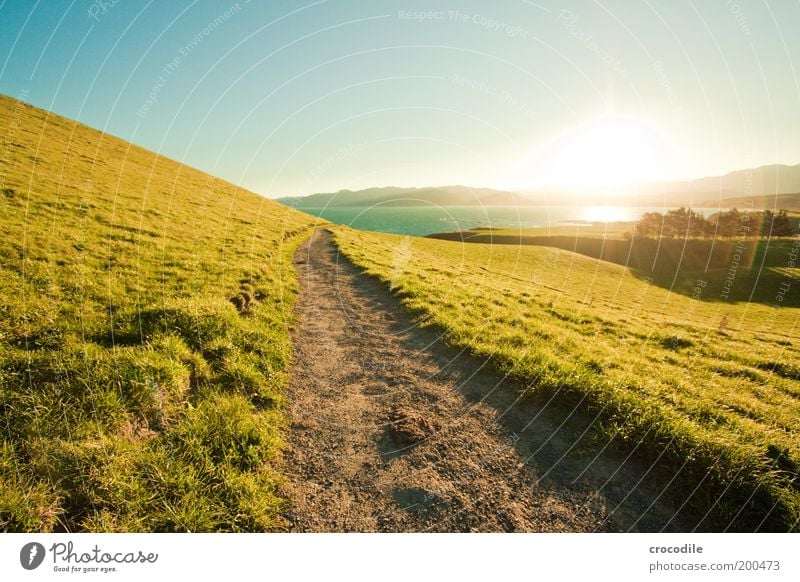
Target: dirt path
394 431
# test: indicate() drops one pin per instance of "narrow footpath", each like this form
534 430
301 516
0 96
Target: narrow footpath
392 430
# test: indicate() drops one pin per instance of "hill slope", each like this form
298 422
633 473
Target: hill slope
144 308
772 186
701 385
761 181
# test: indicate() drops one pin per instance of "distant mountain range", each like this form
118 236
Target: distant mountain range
760 187
392 196
764 187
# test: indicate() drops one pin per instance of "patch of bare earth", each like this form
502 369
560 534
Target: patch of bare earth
392 430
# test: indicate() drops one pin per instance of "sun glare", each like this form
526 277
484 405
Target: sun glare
605 214
606 152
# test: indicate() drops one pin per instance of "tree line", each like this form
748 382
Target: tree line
685 222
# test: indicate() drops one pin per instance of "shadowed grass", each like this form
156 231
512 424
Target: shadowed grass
758 265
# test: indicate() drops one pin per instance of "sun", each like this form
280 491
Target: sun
610 151
605 214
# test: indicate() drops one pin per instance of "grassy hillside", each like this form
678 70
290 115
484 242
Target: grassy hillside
706 389
744 270
144 310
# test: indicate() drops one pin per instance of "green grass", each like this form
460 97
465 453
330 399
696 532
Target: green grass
707 388
144 317
610 230
760 264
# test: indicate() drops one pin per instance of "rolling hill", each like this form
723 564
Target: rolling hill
772 186
761 181
703 382
144 316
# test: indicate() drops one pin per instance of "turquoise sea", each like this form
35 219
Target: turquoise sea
421 221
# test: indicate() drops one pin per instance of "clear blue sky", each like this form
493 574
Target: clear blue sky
300 97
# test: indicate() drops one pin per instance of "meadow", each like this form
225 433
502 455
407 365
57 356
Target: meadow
704 385
145 310
754 269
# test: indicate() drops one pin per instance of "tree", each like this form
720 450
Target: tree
699 227
767 223
649 226
728 223
782 225
685 222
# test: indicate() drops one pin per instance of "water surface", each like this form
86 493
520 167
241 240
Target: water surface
421 221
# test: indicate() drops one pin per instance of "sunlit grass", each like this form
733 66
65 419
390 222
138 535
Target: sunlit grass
707 387
144 315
